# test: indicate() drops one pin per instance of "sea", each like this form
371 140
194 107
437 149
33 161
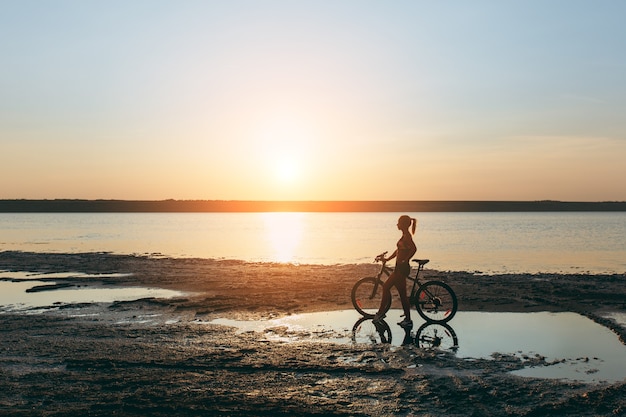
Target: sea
485 242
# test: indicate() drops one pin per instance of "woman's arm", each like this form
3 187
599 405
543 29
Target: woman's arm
393 255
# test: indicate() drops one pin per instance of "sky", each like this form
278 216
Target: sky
313 100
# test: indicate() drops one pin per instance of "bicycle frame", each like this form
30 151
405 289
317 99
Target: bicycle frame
416 282
387 270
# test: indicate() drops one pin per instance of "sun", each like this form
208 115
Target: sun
286 145
286 170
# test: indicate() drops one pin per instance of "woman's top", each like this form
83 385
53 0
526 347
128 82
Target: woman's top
406 250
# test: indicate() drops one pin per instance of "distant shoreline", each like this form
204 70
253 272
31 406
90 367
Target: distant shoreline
236 206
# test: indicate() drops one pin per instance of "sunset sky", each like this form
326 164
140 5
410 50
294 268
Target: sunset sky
313 100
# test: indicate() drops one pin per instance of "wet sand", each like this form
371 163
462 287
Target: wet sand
103 359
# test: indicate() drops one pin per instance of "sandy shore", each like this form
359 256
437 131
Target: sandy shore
97 360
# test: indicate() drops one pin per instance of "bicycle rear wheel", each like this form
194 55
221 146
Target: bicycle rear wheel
367 295
436 302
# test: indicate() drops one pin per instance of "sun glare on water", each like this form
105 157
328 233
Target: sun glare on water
283 232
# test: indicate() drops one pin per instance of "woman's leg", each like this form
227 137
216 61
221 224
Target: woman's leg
386 293
406 305
398 281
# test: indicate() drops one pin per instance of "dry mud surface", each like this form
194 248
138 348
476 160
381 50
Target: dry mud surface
100 359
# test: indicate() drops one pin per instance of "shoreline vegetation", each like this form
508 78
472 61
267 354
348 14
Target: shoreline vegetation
243 206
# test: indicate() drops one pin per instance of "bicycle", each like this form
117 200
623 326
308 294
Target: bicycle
435 301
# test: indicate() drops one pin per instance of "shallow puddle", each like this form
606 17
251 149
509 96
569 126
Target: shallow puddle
571 346
16 291
25 275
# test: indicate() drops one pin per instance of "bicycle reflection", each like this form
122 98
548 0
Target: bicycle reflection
437 336
429 335
366 331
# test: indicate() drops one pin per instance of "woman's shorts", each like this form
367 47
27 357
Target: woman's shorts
403 269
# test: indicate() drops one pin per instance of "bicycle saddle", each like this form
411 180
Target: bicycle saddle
421 261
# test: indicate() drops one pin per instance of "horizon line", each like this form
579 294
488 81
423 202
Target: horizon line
171 205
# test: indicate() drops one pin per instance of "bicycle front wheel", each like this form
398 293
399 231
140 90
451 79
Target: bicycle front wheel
436 302
367 295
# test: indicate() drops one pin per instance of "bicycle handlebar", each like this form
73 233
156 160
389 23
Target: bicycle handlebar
381 257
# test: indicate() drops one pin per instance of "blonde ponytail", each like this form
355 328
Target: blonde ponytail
413 225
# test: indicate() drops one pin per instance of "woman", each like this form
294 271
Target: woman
403 254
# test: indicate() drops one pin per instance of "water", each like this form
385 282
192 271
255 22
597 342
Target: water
572 346
487 242
592 242
15 298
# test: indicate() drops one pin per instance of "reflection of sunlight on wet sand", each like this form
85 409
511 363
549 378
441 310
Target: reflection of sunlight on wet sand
284 233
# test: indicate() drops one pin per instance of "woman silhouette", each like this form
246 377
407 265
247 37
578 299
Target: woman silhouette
403 254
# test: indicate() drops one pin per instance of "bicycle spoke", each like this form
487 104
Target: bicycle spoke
367 295
436 302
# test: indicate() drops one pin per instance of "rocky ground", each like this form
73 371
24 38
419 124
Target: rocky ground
100 359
